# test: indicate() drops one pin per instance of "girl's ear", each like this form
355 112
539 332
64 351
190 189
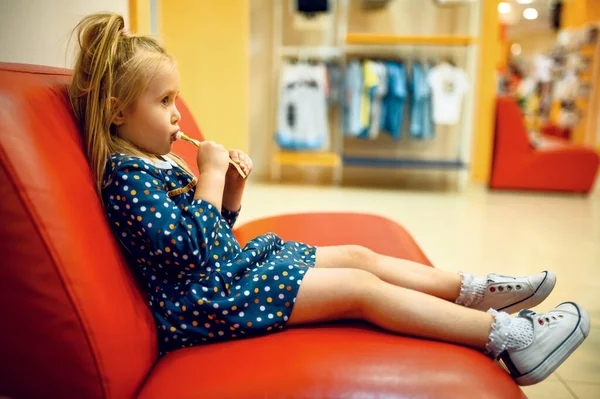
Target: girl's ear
119 118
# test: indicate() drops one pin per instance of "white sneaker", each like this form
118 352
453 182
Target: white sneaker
511 294
556 335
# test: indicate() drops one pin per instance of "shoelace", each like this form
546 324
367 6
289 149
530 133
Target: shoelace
504 287
543 319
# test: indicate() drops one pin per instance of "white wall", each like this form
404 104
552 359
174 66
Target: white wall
37 31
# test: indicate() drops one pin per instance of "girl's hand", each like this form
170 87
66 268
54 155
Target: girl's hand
212 157
234 182
243 160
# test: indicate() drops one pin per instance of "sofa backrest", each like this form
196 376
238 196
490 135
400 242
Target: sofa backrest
510 136
74 323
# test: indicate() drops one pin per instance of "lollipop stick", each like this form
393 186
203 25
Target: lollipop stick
185 137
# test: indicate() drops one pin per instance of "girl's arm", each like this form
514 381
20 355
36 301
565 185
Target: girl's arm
232 196
235 185
137 200
210 187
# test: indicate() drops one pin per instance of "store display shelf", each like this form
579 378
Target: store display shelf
403 163
324 159
443 40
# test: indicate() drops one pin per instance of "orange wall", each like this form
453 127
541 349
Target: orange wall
577 13
489 57
504 51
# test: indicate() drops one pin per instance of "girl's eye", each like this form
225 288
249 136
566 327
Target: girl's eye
165 101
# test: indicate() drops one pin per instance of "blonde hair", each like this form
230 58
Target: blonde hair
112 69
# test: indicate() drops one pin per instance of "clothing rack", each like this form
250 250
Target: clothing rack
346 46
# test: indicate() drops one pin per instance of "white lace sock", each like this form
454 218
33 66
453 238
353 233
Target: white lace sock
508 333
471 290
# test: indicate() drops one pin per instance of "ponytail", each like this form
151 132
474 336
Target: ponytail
111 70
90 92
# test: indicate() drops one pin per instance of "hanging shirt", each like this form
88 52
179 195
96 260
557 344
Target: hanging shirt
377 99
428 126
370 82
302 115
394 101
448 86
420 112
352 101
335 78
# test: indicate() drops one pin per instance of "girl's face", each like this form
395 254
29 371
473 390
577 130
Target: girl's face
153 120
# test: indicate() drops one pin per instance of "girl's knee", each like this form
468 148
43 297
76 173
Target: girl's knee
360 254
360 284
333 294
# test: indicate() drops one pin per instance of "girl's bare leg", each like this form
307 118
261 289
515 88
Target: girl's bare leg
399 272
343 293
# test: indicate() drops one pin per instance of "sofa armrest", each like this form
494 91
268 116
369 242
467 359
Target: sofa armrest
377 233
569 158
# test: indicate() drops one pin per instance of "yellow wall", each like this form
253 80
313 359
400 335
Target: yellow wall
210 41
139 17
489 56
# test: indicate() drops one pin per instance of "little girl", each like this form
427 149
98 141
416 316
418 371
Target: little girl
202 287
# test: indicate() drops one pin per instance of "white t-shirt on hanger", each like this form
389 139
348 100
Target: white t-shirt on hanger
448 86
302 117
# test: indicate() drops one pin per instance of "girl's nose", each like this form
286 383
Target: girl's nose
176 117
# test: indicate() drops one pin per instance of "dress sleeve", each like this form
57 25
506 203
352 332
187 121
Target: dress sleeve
230 216
143 215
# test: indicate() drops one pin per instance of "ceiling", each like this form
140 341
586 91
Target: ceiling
517 25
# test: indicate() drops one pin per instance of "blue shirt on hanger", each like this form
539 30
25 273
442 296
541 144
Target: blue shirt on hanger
428 127
352 90
395 100
421 125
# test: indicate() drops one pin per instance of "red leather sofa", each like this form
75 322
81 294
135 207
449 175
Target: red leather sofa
75 325
517 165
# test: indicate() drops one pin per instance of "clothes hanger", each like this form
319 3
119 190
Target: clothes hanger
450 61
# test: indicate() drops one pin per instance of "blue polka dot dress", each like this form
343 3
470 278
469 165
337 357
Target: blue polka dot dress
201 286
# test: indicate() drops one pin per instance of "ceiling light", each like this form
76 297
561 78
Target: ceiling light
504 8
530 13
524 1
515 49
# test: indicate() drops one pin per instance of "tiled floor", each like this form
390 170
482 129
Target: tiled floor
478 231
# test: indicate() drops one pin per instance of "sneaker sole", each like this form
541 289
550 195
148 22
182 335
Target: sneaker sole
558 356
538 296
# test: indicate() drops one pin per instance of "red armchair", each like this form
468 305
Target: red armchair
518 165
75 325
